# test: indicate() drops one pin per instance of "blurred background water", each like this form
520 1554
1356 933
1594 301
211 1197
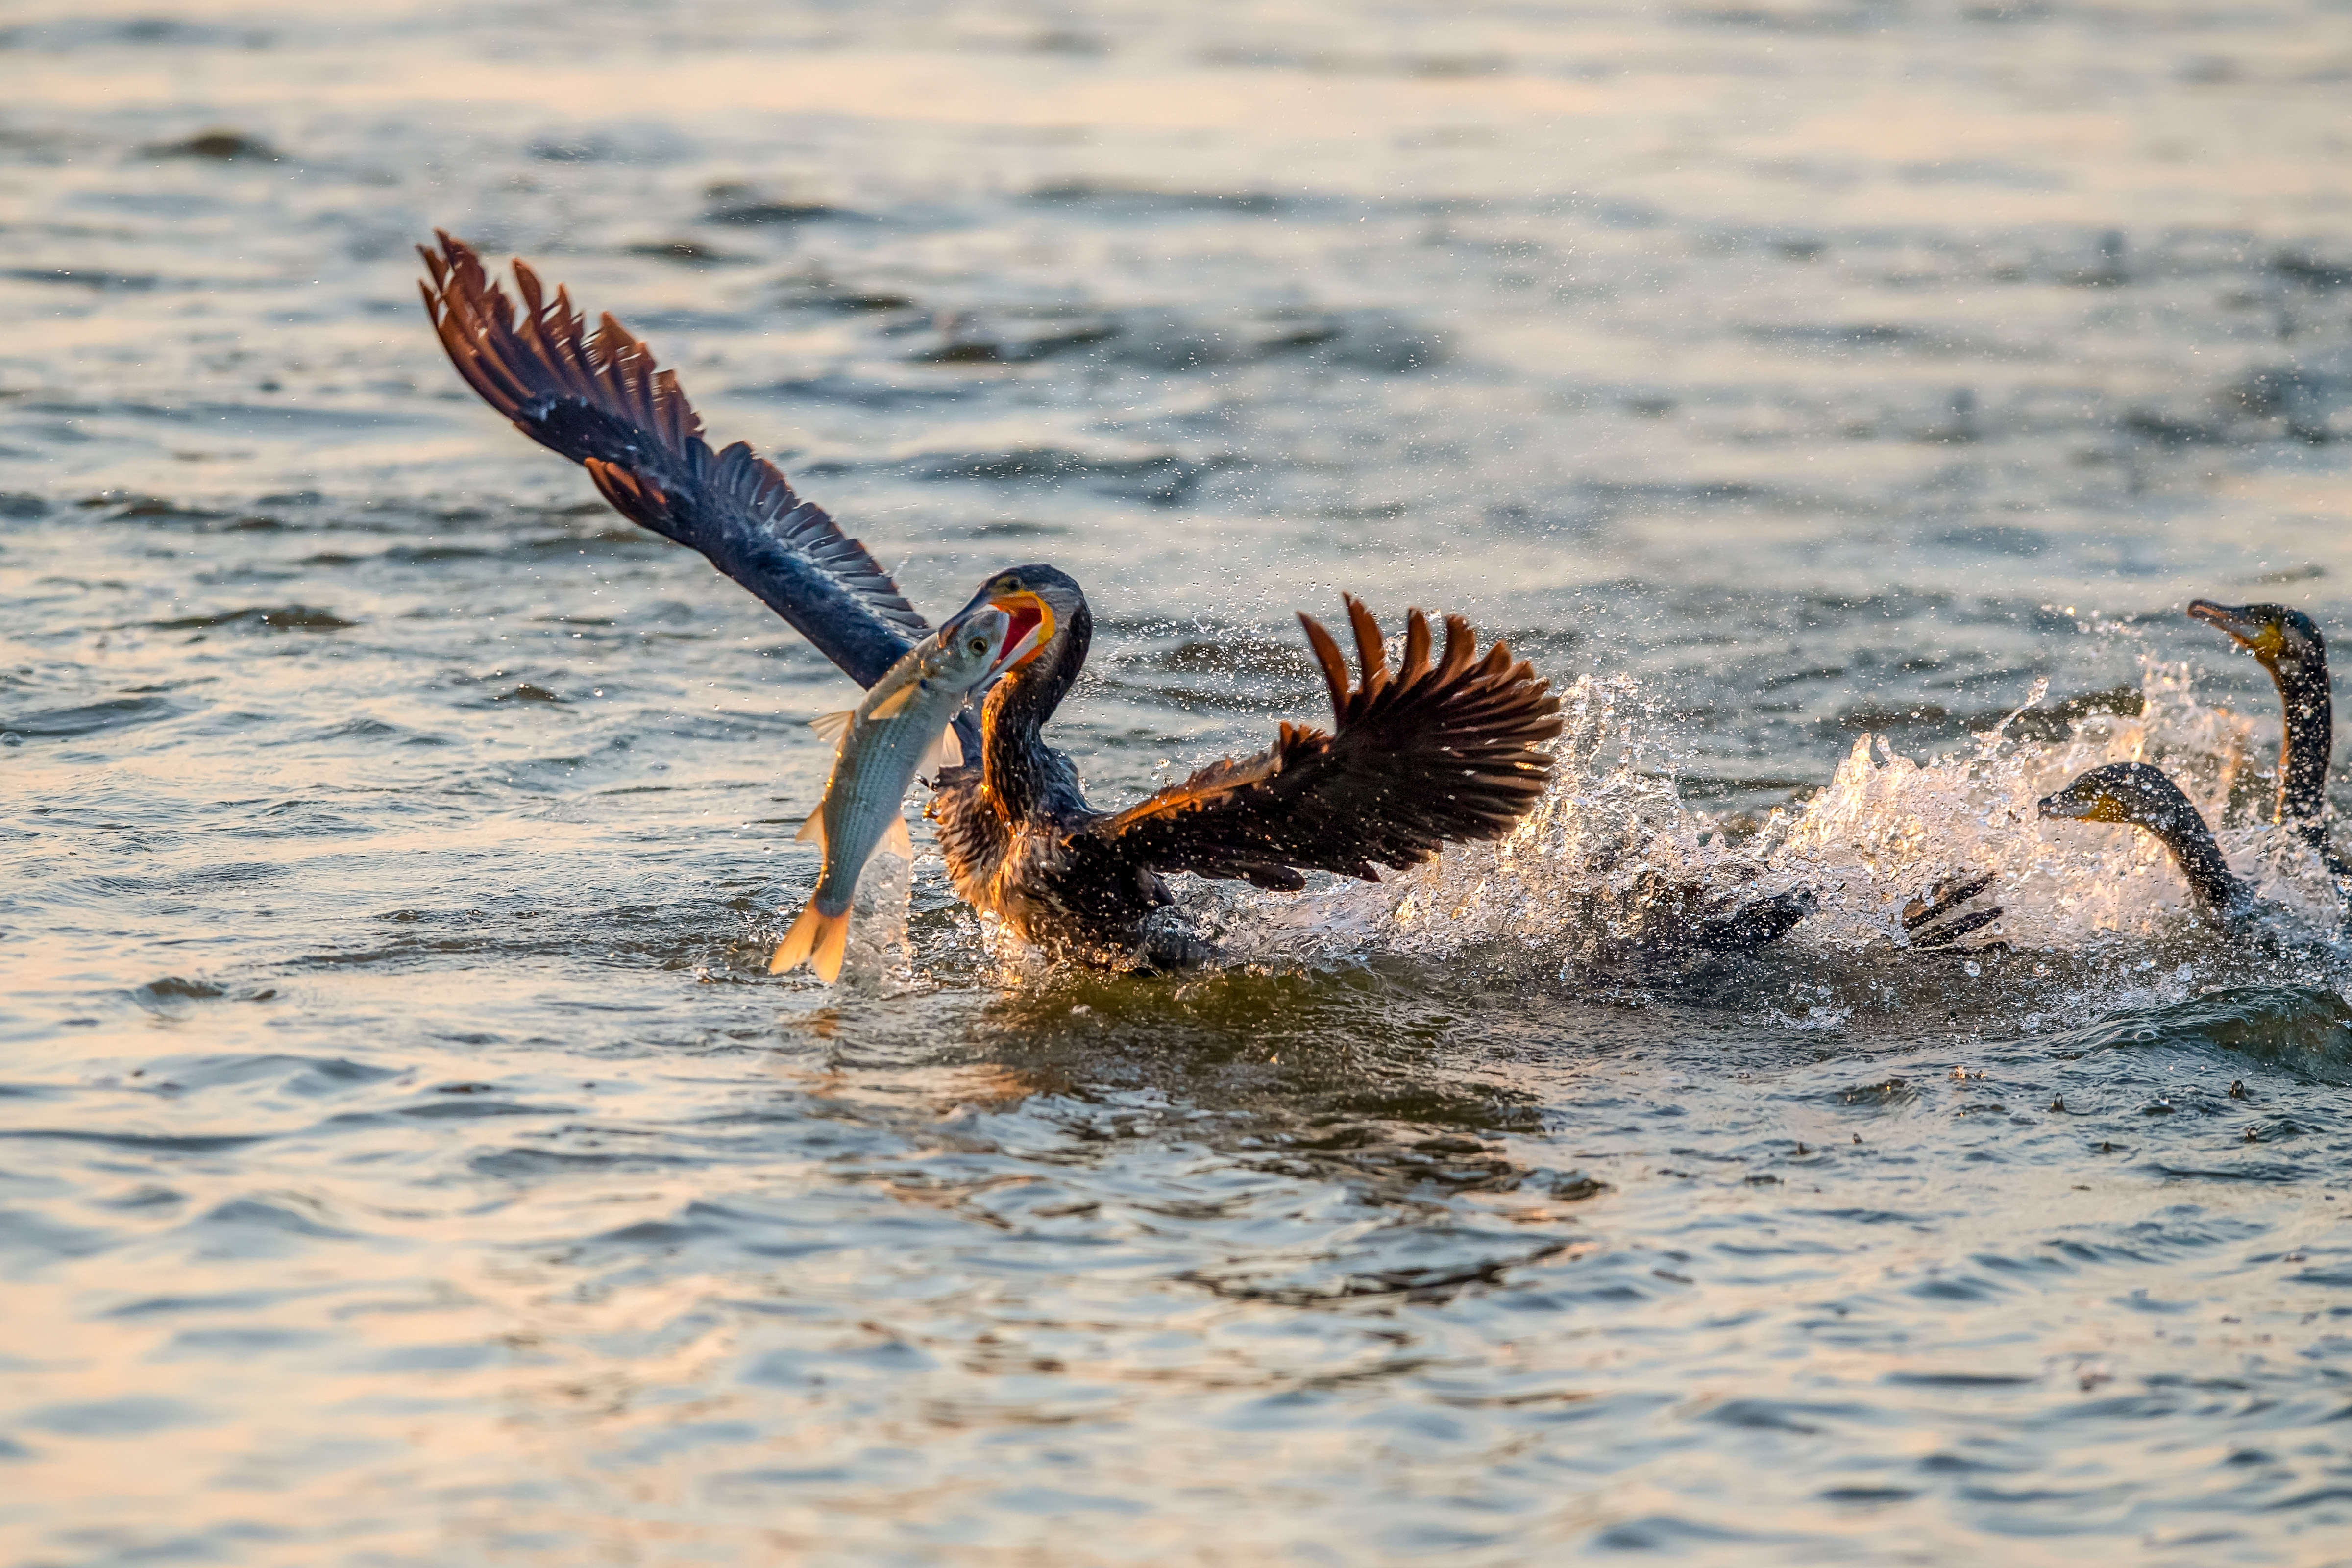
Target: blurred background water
404 1158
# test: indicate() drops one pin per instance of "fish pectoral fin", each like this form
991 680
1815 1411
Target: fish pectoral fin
890 707
895 837
813 830
946 752
833 726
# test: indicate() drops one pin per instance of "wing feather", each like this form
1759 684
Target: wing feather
1417 757
600 399
1327 654
1371 648
1416 645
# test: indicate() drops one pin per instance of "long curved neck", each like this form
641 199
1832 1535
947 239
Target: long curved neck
2310 740
1012 722
2183 831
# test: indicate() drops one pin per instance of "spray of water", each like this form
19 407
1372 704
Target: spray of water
1612 864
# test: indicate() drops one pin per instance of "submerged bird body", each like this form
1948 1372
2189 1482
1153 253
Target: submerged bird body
899 731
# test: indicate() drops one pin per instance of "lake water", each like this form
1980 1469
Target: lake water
405 1159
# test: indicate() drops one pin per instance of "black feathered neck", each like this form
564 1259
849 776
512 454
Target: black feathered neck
1013 721
2301 672
2139 795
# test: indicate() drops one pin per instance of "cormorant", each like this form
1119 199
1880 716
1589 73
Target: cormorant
1418 756
2291 647
2286 643
2139 796
1426 753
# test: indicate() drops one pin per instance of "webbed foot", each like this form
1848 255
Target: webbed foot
1752 925
1924 917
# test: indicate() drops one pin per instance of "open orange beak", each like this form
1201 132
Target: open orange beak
1033 626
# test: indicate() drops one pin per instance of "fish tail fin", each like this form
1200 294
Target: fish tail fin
832 944
815 936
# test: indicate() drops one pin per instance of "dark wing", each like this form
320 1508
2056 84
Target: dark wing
598 400
1432 753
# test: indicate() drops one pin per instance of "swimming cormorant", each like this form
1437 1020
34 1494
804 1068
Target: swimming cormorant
2286 643
2139 795
2291 647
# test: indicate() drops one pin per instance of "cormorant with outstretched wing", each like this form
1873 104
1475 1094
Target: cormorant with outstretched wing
1429 753
597 399
1440 749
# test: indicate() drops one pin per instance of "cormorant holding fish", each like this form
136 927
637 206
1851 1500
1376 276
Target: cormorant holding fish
1429 752
1418 756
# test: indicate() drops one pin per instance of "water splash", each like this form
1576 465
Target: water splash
1611 865
1608 853
879 956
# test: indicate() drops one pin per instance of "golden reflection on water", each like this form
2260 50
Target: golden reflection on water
405 1159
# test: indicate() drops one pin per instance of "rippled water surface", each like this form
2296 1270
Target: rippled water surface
405 1157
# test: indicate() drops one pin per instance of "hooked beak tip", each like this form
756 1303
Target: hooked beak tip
2220 615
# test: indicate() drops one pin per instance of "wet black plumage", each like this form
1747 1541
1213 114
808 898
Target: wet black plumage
1438 750
598 399
1434 751
2288 643
2139 795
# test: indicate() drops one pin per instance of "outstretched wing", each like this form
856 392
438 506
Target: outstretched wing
1429 753
598 400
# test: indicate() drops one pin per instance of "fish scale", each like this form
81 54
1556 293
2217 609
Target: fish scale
898 732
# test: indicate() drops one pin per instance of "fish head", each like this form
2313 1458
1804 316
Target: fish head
969 647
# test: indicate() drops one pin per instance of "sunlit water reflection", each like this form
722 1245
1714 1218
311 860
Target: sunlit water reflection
408 1160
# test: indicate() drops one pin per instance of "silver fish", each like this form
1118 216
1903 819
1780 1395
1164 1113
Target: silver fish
900 730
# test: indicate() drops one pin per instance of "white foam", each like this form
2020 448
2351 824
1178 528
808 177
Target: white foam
1611 854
